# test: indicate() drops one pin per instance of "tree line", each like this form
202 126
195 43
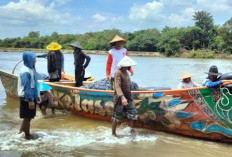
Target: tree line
204 36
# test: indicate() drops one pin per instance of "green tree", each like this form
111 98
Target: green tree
204 21
226 33
190 37
143 40
170 41
34 34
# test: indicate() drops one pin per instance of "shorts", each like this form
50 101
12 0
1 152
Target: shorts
129 112
25 111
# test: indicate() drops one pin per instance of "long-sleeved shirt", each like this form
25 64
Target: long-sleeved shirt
114 57
122 85
27 82
211 84
80 58
55 61
183 85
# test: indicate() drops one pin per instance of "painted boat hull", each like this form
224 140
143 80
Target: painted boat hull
197 112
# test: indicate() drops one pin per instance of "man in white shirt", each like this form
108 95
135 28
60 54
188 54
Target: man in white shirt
186 81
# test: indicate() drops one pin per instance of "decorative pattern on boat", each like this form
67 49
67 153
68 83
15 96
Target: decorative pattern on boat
10 83
201 126
89 102
203 104
216 103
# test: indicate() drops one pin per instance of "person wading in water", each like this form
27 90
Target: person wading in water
123 102
28 92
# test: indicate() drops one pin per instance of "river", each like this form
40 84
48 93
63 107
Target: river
70 135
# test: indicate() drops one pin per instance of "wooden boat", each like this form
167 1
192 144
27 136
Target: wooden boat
197 112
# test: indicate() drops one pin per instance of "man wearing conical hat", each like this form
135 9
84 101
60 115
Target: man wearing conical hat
55 61
115 54
186 81
81 61
123 102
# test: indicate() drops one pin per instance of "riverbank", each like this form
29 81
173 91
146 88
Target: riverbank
198 54
97 52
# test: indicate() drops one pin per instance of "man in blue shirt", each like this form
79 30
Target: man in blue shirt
211 80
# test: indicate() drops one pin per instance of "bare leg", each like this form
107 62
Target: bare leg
26 128
22 127
53 111
43 110
132 125
114 126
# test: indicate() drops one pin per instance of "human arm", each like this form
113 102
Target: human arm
108 66
87 60
28 91
118 89
195 84
62 63
180 86
211 84
130 70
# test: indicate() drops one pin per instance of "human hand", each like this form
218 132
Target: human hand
82 72
124 101
108 78
31 105
132 73
39 100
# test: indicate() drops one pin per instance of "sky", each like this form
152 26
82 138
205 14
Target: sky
19 17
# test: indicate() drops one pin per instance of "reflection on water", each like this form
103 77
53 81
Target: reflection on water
66 134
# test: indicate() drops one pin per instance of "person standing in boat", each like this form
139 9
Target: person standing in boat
123 102
211 80
28 92
186 81
55 62
115 54
81 61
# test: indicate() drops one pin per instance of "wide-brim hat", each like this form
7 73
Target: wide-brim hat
54 46
117 38
44 87
185 75
213 70
76 44
126 62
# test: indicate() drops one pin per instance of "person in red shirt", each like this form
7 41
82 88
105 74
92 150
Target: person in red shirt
115 55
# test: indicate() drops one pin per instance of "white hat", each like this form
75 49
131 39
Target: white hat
185 75
126 62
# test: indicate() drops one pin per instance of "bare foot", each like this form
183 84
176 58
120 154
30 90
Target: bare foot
114 134
29 137
132 131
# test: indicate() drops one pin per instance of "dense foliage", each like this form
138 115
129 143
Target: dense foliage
202 40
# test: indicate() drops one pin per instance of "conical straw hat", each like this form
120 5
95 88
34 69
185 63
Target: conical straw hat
76 44
126 62
117 38
54 46
185 75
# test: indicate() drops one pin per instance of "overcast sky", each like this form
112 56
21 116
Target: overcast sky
19 17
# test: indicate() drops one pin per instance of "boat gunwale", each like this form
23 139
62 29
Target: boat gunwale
112 91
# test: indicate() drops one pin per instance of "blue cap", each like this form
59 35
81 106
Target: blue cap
43 86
